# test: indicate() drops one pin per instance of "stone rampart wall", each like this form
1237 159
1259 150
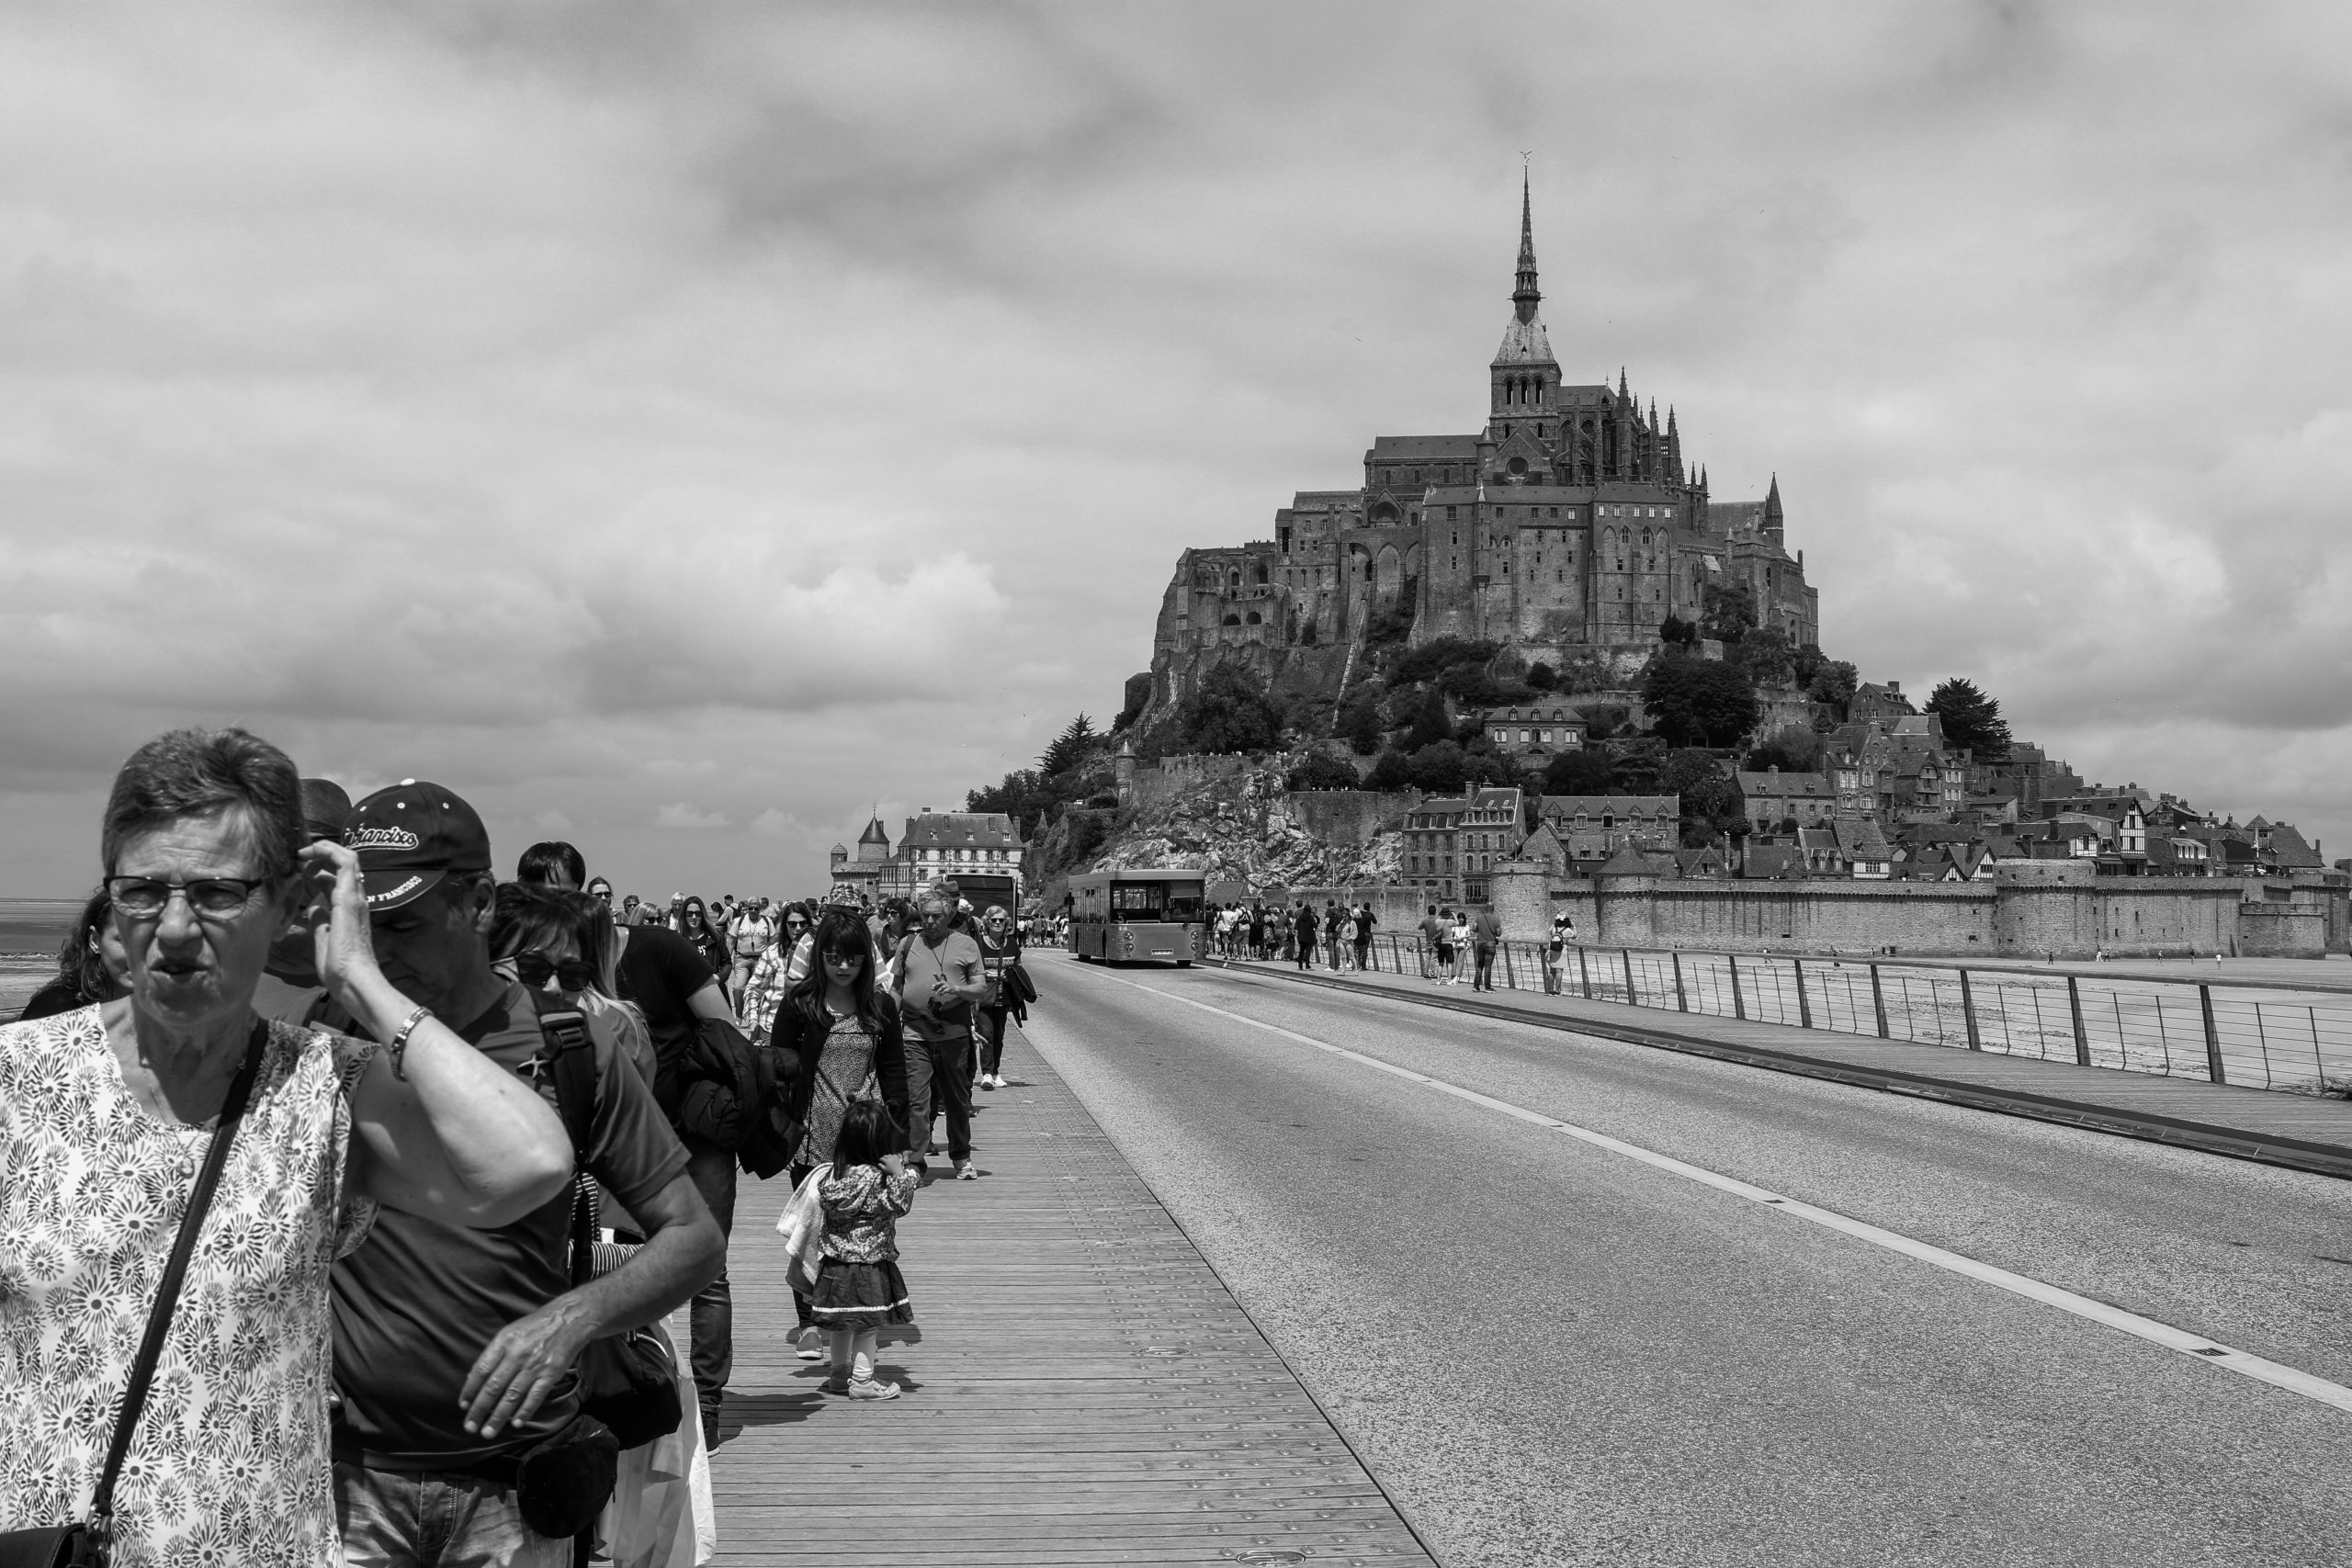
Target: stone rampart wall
2134 917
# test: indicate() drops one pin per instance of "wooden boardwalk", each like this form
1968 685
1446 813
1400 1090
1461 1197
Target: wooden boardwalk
1086 1391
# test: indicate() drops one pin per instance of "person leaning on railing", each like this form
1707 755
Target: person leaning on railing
106 1111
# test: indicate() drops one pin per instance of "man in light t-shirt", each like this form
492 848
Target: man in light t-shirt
939 979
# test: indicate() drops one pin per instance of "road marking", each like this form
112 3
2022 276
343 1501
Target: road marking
2204 1349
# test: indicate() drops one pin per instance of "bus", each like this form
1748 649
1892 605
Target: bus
981 890
1141 916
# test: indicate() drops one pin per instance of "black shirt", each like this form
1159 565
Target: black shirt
659 970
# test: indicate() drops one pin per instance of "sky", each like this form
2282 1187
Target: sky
683 429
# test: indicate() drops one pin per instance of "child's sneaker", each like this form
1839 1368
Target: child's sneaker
837 1383
872 1388
966 1171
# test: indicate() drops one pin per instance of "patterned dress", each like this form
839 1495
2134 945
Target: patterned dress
844 1072
230 1463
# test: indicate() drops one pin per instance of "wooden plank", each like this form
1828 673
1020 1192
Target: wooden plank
1086 1391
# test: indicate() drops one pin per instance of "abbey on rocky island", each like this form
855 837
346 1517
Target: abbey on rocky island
1571 522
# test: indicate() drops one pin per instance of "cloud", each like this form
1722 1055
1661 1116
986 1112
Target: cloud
552 822
678 814
773 407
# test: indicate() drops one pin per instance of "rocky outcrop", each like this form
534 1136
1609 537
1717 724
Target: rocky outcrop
1246 827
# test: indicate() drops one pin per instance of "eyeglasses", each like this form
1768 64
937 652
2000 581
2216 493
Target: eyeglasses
604 893
846 960
213 897
573 974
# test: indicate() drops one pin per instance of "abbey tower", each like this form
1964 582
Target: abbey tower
1570 522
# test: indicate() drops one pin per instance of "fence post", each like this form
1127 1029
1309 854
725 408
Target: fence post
1804 1004
1681 999
1738 1003
1968 1011
2082 1036
1584 973
1633 998
1510 981
1878 1002
2212 1035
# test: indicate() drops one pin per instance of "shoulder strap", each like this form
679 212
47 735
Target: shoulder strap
167 1293
571 1059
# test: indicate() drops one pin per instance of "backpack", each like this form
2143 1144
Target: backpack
628 1381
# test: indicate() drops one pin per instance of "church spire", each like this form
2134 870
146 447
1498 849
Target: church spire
1525 296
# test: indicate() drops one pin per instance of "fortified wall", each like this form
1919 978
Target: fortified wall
2032 914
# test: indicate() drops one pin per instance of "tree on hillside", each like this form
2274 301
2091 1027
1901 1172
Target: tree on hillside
1359 723
1229 711
1834 683
1767 657
1543 677
1430 724
1393 771
1321 771
1067 748
1434 658
1025 797
1728 611
1711 800
1579 772
1678 632
1790 751
1970 719
1699 702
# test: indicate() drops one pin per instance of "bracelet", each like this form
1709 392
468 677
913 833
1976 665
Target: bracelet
399 1047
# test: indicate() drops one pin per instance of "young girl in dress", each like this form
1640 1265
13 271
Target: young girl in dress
861 1296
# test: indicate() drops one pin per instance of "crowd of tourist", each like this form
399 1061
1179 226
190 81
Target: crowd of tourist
345 1186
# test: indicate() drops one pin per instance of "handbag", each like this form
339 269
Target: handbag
89 1543
628 1384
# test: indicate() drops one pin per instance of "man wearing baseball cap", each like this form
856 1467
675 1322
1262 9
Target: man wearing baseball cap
290 987
454 1349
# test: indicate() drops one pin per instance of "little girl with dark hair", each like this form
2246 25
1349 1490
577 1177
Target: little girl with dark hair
860 1296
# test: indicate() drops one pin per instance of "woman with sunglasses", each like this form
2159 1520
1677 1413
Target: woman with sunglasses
778 969
697 928
838 1039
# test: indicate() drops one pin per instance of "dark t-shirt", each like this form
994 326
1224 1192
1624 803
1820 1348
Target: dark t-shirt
416 1302
659 970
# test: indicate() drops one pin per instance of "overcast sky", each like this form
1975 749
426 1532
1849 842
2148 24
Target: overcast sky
679 428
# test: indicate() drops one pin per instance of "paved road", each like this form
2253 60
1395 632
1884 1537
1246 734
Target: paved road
1552 1352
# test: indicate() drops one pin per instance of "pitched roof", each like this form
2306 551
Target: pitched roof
1863 840
1408 448
1809 786
960 829
875 833
1612 804
1629 860
1524 342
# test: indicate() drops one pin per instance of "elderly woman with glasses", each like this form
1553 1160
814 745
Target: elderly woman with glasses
106 1111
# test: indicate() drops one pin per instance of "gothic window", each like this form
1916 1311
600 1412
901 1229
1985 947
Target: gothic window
1255 619
1233 620
1236 578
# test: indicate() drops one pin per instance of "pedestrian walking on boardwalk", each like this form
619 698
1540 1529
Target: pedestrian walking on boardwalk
1304 926
1364 923
1433 945
1457 943
861 1297
939 978
999 950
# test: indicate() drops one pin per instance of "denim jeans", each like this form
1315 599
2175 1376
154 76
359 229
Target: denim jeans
712 1316
429 1520
939 1078
991 1040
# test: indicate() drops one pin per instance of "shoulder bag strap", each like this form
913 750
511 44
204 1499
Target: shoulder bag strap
167 1293
571 1063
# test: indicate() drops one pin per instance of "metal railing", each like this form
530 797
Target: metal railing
2253 1033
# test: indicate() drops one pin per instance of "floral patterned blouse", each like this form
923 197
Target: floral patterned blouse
862 1209
230 1463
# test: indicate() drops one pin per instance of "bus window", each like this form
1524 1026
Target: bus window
1184 904
1134 900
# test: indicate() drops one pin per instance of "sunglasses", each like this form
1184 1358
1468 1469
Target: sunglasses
574 974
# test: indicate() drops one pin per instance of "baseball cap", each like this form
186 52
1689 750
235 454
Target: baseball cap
412 836
326 809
